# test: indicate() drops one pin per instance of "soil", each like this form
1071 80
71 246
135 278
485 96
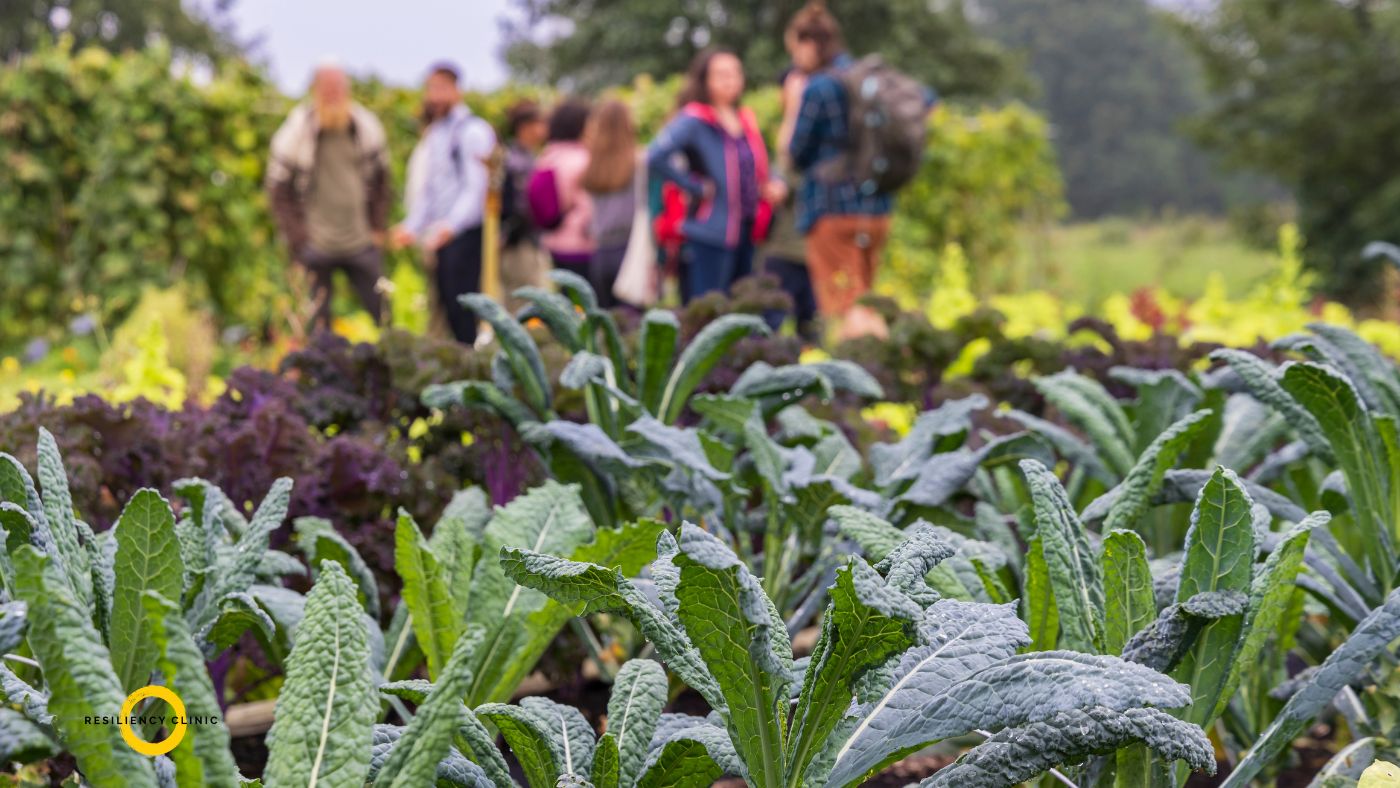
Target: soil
250 753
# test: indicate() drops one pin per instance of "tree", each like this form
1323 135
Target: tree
1309 91
589 44
1116 84
115 25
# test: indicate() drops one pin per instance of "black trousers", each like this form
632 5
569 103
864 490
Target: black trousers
602 273
363 268
796 282
459 272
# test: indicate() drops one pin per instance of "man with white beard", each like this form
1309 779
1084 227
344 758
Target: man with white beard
328 185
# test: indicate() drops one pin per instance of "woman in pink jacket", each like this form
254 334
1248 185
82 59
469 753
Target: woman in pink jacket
570 244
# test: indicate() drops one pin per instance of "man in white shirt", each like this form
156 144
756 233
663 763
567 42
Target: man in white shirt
446 219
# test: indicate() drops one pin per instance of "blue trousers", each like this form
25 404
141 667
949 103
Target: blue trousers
714 268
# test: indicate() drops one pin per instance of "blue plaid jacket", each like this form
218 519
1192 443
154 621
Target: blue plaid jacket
821 134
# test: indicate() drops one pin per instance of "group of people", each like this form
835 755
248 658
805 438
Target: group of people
579 192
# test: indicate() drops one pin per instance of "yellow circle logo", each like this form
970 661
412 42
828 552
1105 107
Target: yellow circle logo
177 731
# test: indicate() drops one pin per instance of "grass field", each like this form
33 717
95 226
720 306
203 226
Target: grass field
1087 262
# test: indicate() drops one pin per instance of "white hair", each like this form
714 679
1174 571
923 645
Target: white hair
325 64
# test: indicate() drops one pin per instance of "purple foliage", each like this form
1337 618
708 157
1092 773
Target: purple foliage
334 418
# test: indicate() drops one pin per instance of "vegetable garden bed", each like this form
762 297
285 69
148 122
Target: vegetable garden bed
733 584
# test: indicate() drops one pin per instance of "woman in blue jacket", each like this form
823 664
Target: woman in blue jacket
715 153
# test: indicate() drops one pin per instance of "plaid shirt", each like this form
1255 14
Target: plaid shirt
820 135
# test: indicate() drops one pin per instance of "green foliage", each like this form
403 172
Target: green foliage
320 735
519 624
200 581
1219 555
932 668
1301 94
1074 575
639 694
428 738
122 172
630 460
80 681
203 756
612 43
1356 442
437 620
1117 83
1369 640
319 542
116 25
1127 580
985 172
147 561
1032 588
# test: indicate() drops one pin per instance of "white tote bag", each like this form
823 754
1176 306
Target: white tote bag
637 278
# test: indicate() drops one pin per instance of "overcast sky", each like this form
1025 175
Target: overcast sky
396 39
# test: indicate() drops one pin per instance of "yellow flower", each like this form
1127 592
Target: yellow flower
214 387
897 416
1032 313
359 327
1383 334
813 355
952 293
962 365
1118 311
9 365
1086 338
1335 313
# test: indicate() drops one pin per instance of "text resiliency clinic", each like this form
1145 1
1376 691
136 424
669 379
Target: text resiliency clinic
176 722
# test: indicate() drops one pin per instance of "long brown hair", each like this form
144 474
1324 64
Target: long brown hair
611 139
697 75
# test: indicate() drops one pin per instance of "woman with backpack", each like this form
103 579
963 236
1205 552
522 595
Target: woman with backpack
725 174
610 180
857 138
559 205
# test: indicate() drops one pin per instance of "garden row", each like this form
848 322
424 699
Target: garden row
1122 589
346 422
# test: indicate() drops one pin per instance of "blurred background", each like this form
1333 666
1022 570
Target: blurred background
1207 169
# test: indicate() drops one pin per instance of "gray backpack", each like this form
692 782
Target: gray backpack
886 125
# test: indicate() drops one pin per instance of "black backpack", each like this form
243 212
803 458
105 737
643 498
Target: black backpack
887 119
